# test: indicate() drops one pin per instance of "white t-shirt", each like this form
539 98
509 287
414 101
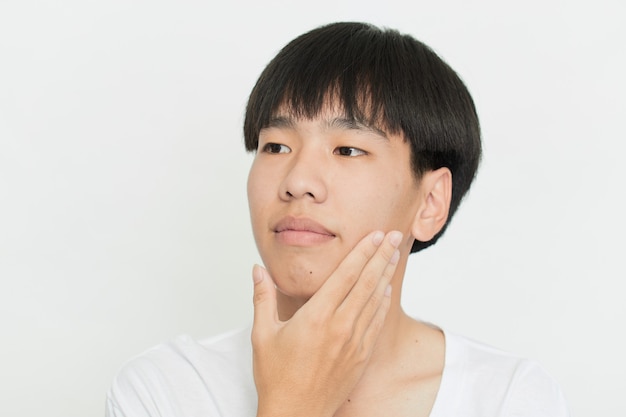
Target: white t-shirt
213 378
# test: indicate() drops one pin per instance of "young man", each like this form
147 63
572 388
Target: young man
365 144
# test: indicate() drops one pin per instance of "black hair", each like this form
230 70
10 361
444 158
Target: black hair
382 78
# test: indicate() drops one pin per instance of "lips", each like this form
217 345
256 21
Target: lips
301 232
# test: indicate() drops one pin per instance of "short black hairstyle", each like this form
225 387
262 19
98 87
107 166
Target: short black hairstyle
382 78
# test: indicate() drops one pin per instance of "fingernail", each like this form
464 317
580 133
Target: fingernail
377 238
388 291
257 274
395 238
395 257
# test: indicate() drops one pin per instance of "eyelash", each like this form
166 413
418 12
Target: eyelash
277 148
338 151
272 148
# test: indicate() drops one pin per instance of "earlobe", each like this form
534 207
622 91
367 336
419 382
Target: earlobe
435 195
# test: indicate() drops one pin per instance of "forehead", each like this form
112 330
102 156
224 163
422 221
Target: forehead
324 123
331 117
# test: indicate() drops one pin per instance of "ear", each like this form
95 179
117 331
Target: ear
435 195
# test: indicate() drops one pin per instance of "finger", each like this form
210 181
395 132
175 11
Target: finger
371 333
333 292
264 299
375 277
372 306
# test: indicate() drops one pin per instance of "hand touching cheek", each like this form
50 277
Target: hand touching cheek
309 364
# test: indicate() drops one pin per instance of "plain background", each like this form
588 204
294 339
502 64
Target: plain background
123 214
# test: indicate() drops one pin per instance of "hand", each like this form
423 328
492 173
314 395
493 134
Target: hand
308 365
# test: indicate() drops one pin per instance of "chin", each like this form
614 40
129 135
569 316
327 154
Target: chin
298 281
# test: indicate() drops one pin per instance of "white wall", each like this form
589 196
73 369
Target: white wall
123 217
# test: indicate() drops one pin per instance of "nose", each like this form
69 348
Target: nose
306 178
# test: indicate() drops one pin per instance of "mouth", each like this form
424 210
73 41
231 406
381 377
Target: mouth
301 232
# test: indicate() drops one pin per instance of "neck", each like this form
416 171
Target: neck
408 358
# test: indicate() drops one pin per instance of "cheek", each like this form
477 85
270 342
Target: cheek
392 205
256 196
257 184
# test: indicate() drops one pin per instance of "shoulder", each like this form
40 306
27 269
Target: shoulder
484 381
184 376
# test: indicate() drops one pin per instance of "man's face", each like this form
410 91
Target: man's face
316 187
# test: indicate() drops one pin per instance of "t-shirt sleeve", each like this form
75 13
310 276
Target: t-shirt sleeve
534 393
182 378
111 408
139 390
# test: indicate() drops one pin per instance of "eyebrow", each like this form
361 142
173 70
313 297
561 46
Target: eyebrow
287 122
351 124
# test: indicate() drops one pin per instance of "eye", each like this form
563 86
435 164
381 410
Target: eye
348 151
275 148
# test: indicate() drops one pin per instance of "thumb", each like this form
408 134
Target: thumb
264 297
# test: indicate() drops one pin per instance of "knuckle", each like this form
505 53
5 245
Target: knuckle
258 338
362 355
387 253
351 348
375 300
317 321
258 297
378 321
377 324
370 283
364 255
342 331
351 276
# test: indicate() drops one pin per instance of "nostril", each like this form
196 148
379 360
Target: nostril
289 194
